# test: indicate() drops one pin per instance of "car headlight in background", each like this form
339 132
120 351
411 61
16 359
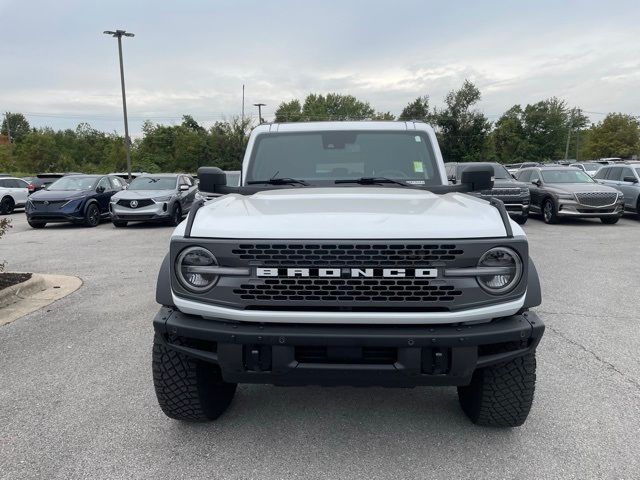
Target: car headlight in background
191 269
166 198
566 196
507 270
113 200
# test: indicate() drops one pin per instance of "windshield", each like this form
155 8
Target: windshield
566 176
323 157
638 171
153 183
73 183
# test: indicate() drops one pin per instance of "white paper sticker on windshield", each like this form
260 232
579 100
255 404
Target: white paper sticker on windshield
418 139
418 167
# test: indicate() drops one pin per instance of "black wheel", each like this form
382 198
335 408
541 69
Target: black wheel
549 212
34 224
119 223
188 389
520 219
500 395
7 205
92 215
609 220
176 215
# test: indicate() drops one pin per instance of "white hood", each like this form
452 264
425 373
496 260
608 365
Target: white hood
348 213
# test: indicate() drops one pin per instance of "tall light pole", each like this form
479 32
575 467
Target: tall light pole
260 105
127 141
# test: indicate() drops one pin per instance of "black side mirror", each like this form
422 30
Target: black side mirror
478 177
537 183
630 179
100 189
210 178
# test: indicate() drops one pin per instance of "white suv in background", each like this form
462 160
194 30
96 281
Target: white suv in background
13 193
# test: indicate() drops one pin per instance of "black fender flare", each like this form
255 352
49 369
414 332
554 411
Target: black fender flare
89 202
534 292
163 286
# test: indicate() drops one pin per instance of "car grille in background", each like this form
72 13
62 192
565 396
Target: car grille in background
48 203
144 202
503 192
338 255
596 199
377 290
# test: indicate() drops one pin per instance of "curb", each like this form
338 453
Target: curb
20 291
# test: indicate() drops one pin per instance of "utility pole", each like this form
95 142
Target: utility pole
260 105
127 141
6 116
243 103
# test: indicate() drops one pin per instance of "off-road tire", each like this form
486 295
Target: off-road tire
176 215
520 219
188 389
7 205
33 224
609 220
500 395
549 216
119 223
92 215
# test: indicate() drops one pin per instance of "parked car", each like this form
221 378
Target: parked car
515 195
625 178
154 198
13 193
514 168
590 168
80 199
558 192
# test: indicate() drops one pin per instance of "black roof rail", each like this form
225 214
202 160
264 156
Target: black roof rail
499 204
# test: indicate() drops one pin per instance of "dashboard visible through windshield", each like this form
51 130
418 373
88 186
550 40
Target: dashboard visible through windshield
326 156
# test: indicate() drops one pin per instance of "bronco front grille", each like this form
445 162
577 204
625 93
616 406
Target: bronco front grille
378 290
597 199
348 254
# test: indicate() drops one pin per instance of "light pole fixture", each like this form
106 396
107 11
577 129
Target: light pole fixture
260 105
127 141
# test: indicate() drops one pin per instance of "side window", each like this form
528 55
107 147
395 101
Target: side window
524 176
104 182
614 173
115 182
535 176
602 173
183 180
189 180
3 183
21 183
627 172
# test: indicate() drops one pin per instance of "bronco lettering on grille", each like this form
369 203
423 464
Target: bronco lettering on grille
349 272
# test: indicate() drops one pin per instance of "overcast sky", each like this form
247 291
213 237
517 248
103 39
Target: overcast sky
192 57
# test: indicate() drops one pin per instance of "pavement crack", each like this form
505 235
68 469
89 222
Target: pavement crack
601 360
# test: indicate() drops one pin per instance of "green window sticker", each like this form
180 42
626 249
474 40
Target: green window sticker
418 139
418 167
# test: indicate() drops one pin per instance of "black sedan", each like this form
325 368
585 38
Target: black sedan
514 194
558 192
80 199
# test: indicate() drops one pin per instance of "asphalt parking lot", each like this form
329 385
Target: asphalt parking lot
77 400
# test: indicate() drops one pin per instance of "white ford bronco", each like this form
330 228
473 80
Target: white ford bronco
345 258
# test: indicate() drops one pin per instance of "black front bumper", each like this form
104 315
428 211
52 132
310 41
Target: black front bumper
397 356
56 217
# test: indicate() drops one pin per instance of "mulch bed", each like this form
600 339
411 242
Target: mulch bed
9 279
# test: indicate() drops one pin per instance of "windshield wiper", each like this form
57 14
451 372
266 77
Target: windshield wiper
279 181
372 181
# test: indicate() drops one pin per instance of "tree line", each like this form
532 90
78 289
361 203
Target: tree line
546 130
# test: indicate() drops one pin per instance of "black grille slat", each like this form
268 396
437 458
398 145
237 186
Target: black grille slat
596 199
351 289
347 255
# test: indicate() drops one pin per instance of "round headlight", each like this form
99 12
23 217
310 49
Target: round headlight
507 270
191 268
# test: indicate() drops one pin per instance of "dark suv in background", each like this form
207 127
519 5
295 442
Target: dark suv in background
558 192
81 199
515 195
